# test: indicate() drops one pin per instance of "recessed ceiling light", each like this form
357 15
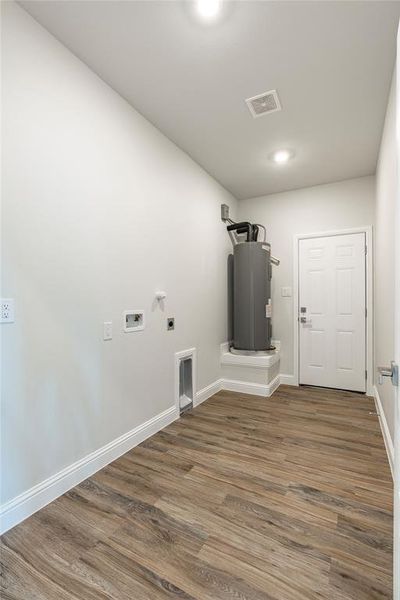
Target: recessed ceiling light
208 9
281 156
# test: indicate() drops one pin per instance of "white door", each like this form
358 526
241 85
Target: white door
332 315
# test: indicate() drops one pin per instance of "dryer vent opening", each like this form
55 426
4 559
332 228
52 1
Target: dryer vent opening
185 379
185 384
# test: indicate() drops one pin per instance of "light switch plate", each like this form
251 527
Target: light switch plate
107 330
286 292
7 310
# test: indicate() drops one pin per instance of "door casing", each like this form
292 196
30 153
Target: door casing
367 229
396 530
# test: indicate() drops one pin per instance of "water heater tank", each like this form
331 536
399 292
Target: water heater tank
251 297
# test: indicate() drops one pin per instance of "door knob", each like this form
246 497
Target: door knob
392 372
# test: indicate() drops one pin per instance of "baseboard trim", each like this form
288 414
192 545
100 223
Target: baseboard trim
257 389
208 391
288 379
24 505
387 438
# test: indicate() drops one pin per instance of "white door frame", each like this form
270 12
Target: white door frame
369 298
396 528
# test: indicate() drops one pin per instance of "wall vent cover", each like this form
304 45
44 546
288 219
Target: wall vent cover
263 104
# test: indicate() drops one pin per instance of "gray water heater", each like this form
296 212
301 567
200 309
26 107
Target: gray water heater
250 289
252 328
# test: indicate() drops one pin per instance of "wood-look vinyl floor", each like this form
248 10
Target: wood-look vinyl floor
244 498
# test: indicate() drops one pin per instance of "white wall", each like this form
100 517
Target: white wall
321 208
386 197
99 211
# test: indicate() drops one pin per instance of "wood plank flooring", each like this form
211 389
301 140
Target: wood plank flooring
244 498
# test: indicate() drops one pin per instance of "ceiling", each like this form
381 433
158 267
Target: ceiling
331 63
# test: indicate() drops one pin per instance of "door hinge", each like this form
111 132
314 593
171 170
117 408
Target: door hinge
366 312
366 374
366 249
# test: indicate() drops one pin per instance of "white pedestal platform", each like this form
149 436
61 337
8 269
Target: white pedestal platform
257 374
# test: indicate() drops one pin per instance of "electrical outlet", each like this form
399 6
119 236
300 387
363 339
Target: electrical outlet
107 330
7 310
224 212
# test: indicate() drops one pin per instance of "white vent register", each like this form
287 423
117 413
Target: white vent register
263 104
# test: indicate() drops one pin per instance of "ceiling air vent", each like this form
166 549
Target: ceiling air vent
263 104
